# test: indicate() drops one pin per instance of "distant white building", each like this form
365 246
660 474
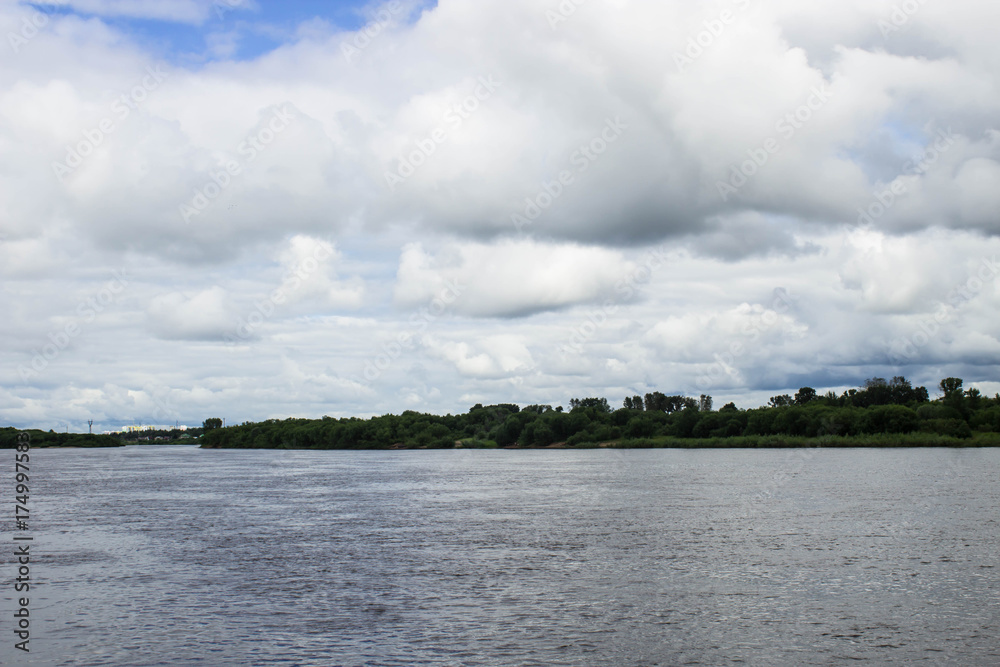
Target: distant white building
146 427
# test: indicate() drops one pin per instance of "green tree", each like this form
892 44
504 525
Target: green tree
950 385
633 403
685 421
903 392
805 395
988 419
954 397
875 391
509 432
791 421
601 404
973 398
211 423
622 416
760 421
640 427
659 402
890 419
543 435
656 402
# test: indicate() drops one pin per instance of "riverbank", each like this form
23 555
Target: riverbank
736 442
39 438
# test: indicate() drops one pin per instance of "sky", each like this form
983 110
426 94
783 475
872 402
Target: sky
253 209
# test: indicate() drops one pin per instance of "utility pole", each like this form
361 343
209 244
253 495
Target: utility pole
90 424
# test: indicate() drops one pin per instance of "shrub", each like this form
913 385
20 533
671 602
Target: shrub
987 420
761 422
640 428
890 419
955 428
938 411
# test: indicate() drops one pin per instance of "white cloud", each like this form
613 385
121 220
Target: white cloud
490 356
206 315
310 276
493 311
509 278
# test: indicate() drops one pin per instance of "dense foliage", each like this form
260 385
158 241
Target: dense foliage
8 439
879 411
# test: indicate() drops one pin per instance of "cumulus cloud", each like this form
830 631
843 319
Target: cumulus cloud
310 276
205 315
509 278
471 155
491 356
485 180
749 234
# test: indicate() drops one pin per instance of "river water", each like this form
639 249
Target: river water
180 556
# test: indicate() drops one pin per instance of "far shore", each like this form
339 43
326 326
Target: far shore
911 440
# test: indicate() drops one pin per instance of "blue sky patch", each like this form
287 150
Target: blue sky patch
227 29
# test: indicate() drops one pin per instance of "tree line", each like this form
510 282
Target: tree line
878 409
38 438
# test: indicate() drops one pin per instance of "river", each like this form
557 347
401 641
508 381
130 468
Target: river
162 555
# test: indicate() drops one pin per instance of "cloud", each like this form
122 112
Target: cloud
492 356
483 163
509 278
748 235
489 184
206 315
310 276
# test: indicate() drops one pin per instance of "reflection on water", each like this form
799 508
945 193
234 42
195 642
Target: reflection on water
177 556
